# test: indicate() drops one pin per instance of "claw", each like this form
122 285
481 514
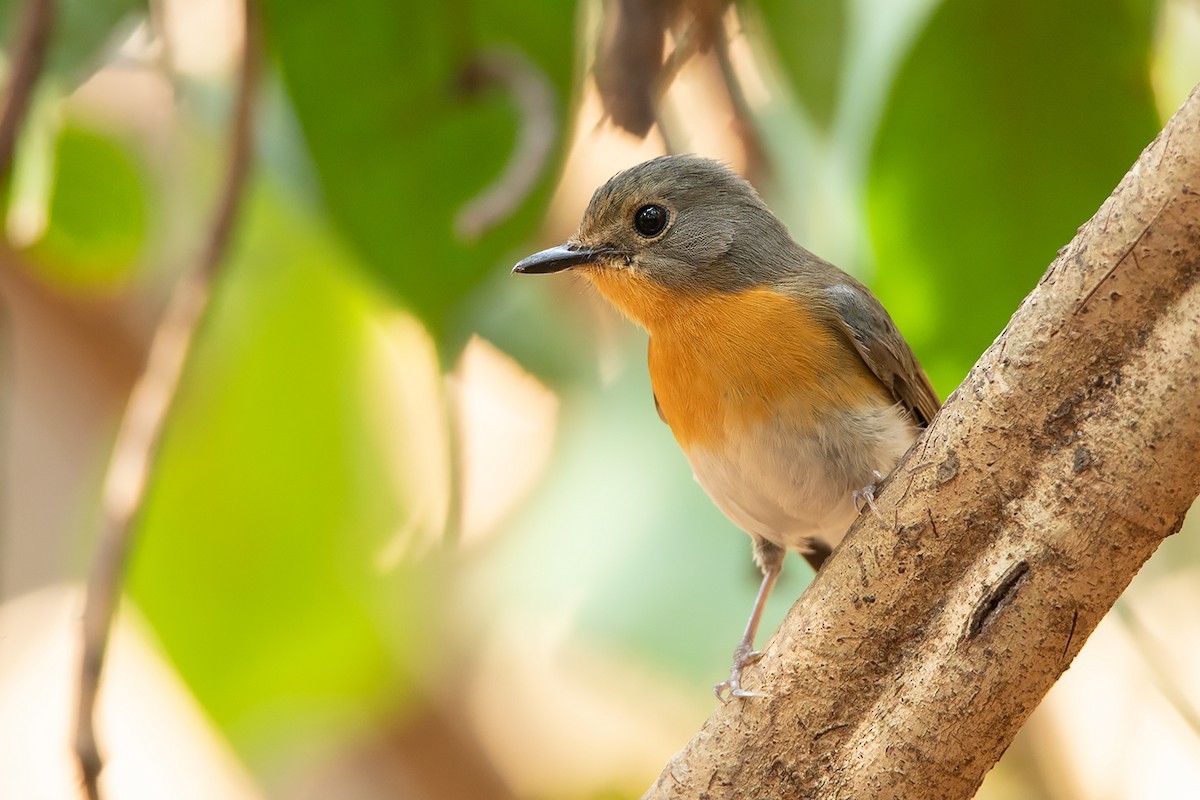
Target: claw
734 691
865 498
866 495
732 686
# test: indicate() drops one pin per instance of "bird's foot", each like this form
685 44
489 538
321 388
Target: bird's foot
865 497
731 687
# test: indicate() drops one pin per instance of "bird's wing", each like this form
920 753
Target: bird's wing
868 326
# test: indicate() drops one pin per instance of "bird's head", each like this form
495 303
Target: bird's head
667 230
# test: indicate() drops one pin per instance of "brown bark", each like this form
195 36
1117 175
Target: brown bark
1047 480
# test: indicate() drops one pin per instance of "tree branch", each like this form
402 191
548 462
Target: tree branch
150 402
28 54
1009 530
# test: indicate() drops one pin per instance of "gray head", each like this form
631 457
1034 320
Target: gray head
683 223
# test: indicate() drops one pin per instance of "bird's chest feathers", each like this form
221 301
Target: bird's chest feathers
726 364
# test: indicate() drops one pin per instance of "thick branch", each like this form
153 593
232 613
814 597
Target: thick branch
150 403
1047 480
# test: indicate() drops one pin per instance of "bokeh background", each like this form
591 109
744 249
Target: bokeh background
415 530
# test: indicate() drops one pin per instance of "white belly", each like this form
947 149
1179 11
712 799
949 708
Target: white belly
787 487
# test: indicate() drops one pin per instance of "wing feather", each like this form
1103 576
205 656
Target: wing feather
863 320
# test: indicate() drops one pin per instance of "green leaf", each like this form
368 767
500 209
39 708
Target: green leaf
401 145
272 502
98 210
809 37
1010 123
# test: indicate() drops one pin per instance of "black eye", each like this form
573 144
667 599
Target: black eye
650 220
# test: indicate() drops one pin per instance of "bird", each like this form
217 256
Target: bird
786 384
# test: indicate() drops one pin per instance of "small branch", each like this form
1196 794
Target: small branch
533 97
29 53
744 121
686 47
670 141
149 404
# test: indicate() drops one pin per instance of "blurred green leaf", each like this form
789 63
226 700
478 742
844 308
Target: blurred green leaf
98 209
1010 123
809 37
272 502
82 29
537 322
399 142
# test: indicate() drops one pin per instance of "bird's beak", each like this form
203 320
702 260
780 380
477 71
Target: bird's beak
556 259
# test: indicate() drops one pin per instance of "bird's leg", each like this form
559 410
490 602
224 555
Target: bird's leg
770 560
866 495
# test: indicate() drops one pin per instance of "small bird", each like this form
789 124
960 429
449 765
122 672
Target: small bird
783 379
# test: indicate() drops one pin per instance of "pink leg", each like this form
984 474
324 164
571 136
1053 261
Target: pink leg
770 558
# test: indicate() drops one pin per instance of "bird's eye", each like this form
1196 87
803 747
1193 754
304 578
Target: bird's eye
650 220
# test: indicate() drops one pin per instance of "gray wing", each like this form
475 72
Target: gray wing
865 322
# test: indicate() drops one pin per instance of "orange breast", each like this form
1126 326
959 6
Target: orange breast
721 363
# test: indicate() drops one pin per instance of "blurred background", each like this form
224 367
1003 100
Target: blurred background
415 529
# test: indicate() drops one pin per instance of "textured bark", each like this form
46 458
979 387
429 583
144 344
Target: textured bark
1009 530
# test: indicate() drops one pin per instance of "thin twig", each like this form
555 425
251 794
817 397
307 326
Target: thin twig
745 123
670 141
149 404
7 352
686 46
29 53
533 97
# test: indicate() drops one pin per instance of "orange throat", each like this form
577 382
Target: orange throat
640 300
722 363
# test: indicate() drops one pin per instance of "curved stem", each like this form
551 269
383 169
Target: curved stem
533 98
29 54
150 403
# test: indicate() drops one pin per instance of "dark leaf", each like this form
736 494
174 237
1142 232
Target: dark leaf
404 135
